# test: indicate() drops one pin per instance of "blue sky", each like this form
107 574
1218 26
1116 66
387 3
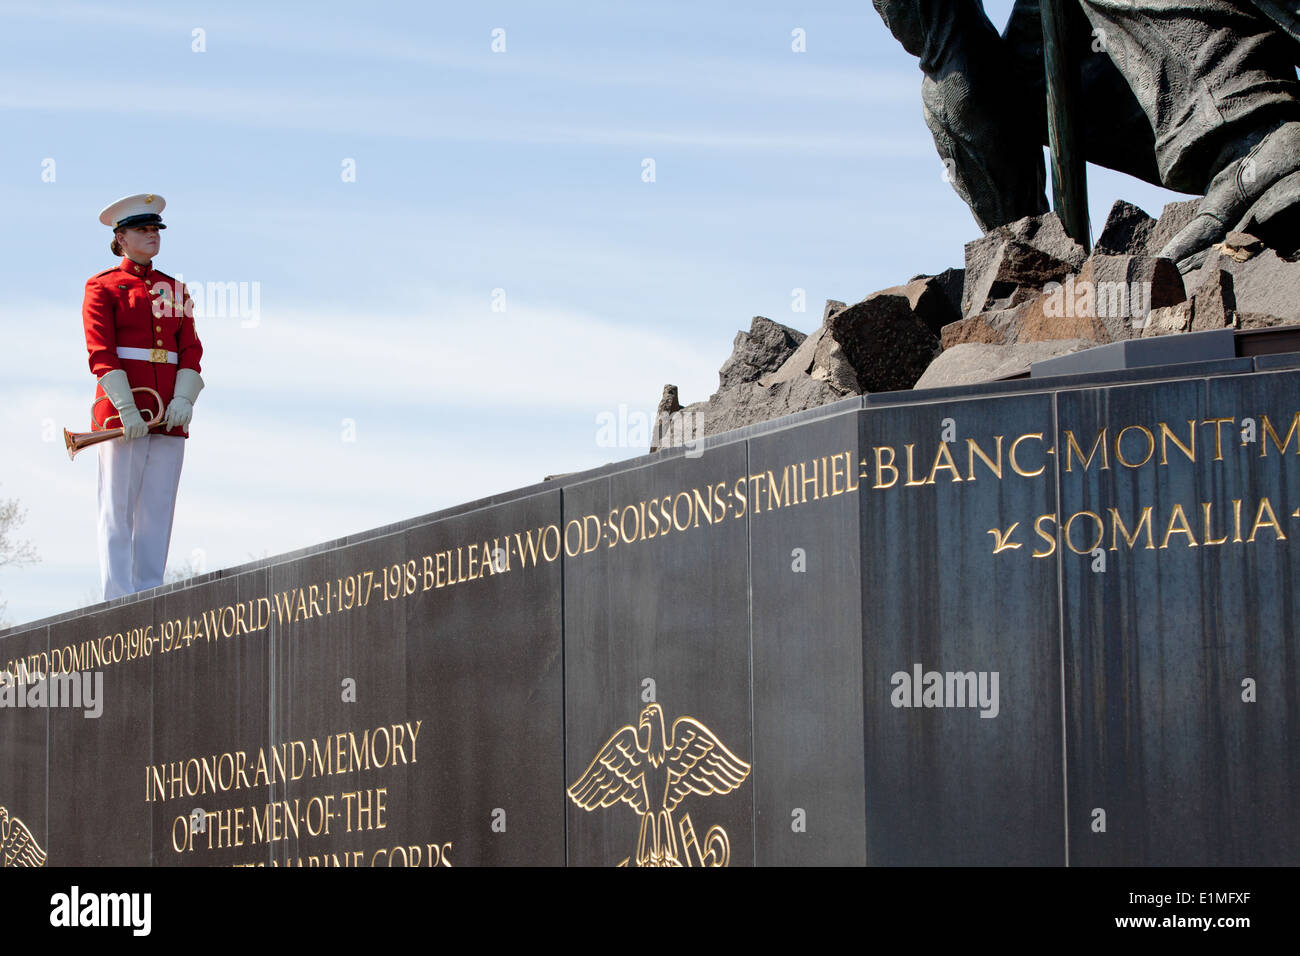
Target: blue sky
379 378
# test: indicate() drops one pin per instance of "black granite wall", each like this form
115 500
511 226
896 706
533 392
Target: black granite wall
1043 622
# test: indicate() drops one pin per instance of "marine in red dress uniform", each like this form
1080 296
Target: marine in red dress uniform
138 307
139 325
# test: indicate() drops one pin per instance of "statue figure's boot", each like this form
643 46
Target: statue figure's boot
1257 190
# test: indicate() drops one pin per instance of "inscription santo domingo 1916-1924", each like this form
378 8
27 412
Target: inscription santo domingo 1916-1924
897 468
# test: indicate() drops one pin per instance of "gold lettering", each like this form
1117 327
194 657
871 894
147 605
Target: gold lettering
1218 424
943 460
577 548
1151 446
322 764
882 466
413 733
972 449
1117 529
838 473
1166 436
341 753
805 481
260 771
529 555
590 542
1280 445
1015 464
1178 525
261 832
738 493
622 526
679 525
911 481
154 775
546 554
1206 525
1272 521
652 516
720 499
1101 532
1049 538
782 495
702 504
1072 449
360 758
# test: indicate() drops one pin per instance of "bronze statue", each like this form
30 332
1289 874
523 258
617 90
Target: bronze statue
1199 96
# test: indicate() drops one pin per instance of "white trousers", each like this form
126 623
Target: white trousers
138 478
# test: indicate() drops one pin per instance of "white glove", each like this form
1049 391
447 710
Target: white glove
186 392
118 390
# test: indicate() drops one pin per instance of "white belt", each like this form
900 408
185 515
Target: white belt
147 355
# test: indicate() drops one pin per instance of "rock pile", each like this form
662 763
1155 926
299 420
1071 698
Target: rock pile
1028 292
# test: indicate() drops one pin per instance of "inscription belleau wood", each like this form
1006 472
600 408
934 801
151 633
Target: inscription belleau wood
1040 622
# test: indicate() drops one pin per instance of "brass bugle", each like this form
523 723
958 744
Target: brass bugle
79 440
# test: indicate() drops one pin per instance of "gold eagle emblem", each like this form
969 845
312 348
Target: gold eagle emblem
17 845
653 773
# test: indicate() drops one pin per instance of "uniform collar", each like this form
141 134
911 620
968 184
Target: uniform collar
131 267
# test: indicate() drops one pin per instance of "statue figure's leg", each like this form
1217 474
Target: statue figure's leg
1112 128
1217 83
974 108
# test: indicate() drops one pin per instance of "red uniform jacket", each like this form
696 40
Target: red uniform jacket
137 306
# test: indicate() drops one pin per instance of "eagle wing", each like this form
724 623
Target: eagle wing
18 847
617 773
699 762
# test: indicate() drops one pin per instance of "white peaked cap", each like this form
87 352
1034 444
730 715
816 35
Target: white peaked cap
140 210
